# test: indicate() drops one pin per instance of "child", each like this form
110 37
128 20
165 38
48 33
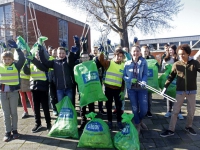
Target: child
25 90
9 79
136 70
114 84
63 70
185 70
39 89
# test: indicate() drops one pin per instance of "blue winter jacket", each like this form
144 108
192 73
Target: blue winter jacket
142 70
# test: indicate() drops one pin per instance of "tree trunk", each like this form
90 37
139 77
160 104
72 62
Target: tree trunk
124 38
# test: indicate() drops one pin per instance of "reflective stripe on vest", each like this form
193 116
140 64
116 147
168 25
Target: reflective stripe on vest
51 58
37 74
23 75
9 75
114 74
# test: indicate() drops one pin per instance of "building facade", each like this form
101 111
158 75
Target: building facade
16 19
157 45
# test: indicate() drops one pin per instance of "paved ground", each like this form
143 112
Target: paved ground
149 139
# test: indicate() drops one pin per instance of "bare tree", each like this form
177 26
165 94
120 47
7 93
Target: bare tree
127 15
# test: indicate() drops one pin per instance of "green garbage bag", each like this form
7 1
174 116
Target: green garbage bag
152 79
127 139
66 123
171 90
89 86
96 134
40 41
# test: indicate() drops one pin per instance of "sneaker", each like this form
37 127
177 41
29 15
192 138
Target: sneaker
167 133
49 127
55 113
7 137
180 117
168 114
114 112
103 113
190 130
25 115
110 125
15 134
120 125
36 128
143 125
149 114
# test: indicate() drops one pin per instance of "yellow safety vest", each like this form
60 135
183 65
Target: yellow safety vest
9 75
114 74
23 75
37 74
51 58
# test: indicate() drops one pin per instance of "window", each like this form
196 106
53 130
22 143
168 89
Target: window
186 42
63 31
174 43
6 26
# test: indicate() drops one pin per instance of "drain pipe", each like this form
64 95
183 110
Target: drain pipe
26 18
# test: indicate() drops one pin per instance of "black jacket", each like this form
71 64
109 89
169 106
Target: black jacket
63 70
37 84
186 75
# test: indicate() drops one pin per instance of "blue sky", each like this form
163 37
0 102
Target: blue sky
186 23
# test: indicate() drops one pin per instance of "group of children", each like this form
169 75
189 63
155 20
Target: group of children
55 75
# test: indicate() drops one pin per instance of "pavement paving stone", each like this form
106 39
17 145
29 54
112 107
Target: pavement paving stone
149 139
159 142
150 134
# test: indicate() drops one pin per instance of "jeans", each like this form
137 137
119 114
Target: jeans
65 92
138 98
149 101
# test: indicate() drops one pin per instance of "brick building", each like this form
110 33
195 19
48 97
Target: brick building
15 20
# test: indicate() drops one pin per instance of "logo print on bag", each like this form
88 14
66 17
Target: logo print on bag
126 130
10 68
66 113
150 73
94 126
91 76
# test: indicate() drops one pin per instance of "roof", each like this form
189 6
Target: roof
45 10
170 39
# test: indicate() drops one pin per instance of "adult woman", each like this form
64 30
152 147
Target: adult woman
136 70
171 58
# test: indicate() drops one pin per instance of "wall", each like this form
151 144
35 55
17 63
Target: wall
48 25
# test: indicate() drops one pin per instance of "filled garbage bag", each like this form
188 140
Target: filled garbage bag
152 76
127 139
66 122
96 134
89 86
171 90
